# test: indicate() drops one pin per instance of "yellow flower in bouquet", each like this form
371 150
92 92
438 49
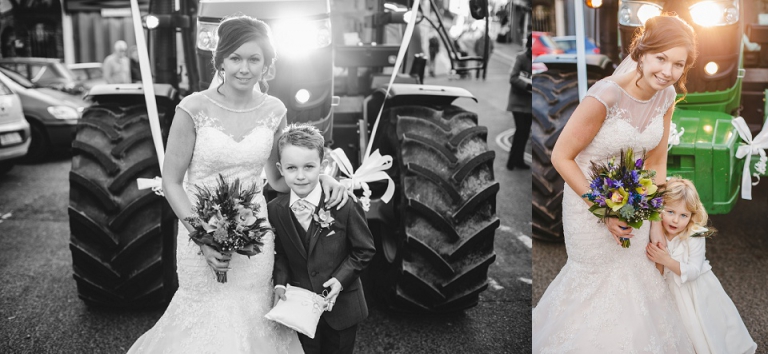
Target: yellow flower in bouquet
646 186
618 199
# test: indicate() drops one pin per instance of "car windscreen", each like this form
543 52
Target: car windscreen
18 78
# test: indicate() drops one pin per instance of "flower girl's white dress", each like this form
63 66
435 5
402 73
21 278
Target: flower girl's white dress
206 316
608 299
712 321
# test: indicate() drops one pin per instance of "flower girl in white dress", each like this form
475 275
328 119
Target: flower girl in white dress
709 316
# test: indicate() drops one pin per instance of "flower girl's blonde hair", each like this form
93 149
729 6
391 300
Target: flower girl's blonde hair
682 190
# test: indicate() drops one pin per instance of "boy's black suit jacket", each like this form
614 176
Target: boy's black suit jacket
341 251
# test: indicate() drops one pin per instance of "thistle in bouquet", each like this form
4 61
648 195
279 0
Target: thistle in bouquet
226 219
624 190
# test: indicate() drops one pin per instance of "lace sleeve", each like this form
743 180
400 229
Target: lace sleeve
607 92
190 105
671 95
277 114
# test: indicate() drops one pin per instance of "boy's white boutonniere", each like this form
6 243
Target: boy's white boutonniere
324 218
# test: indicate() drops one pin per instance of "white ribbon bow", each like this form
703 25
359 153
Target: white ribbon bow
372 169
751 147
674 136
155 183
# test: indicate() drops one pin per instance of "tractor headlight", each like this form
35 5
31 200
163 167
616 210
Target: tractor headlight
715 13
151 22
635 13
302 96
711 68
207 35
297 37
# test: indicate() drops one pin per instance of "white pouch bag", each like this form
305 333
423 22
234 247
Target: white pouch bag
300 311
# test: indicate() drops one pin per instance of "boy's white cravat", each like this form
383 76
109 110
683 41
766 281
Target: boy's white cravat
303 209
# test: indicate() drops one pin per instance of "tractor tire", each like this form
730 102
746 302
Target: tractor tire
445 207
555 97
122 238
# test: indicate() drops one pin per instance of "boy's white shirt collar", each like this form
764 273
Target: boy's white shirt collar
313 196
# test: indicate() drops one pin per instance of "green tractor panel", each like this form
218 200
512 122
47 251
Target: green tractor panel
434 239
706 152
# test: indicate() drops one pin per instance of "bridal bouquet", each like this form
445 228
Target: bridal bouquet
226 219
624 190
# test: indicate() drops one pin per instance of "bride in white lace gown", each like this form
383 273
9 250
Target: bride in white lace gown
608 299
228 130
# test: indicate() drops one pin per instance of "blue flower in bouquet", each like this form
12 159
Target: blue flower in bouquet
614 183
596 184
600 200
657 202
635 175
639 164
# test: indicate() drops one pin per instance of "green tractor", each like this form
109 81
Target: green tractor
706 153
434 238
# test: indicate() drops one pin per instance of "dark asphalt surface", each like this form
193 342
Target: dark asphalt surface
738 254
41 313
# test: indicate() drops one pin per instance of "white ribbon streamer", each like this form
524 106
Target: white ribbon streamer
373 165
372 169
674 136
751 147
156 184
149 93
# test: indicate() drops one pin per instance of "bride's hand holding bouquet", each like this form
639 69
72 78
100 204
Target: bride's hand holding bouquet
624 195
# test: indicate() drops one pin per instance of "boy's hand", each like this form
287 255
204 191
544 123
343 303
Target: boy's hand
335 286
279 295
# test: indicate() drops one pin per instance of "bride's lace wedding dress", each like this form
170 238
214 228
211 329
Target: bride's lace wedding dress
206 316
608 299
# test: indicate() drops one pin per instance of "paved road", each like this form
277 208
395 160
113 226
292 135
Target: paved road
738 254
40 311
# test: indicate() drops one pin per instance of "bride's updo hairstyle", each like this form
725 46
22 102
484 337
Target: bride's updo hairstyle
662 33
236 31
682 190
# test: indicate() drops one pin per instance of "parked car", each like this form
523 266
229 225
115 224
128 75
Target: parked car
14 129
46 72
52 114
568 44
543 44
89 74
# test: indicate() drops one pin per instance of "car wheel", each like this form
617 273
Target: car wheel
38 146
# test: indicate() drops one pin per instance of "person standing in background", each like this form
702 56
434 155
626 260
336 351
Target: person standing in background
520 106
116 66
434 48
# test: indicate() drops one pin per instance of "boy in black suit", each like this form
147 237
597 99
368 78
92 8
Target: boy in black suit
317 248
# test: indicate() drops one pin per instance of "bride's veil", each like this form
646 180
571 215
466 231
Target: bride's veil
626 65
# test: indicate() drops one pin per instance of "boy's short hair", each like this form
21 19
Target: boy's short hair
301 135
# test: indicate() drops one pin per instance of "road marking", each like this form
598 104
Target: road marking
502 140
526 240
525 280
5 216
494 284
498 53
